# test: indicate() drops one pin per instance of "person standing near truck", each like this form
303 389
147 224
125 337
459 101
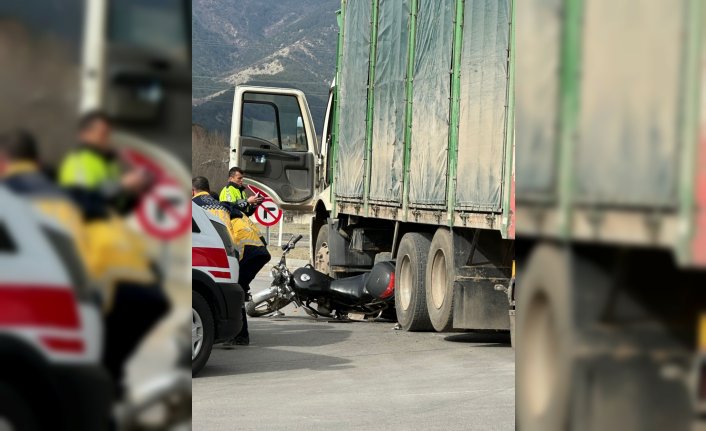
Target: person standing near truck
118 260
234 192
21 172
255 255
245 238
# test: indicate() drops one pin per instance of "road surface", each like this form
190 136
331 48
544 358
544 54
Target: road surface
305 374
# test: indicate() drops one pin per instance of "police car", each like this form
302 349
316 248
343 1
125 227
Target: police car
50 328
216 297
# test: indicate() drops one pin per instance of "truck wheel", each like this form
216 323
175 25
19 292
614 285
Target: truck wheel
543 352
440 281
15 411
321 252
410 297
202 332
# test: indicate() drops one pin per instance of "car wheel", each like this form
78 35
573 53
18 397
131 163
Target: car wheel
15 411
202 332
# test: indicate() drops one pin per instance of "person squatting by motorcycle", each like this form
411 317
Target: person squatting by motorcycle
252 251
117 258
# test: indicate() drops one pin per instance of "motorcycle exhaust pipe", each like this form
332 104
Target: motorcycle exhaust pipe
264 295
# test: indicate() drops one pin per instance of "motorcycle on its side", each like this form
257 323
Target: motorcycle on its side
371 294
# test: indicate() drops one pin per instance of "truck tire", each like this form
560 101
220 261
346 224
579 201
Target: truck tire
321 252
15 411
439 281
544 332
410 296
202 332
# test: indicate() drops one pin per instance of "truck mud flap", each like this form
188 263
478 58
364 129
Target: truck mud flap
477 305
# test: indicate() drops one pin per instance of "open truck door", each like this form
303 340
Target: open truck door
274 141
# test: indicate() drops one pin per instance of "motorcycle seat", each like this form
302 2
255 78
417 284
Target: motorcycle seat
350 289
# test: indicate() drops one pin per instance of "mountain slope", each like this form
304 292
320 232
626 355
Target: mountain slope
281 43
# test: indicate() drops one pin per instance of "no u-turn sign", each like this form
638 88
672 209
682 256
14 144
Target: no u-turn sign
165 212
268 213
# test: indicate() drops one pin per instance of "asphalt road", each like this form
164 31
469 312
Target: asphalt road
305 374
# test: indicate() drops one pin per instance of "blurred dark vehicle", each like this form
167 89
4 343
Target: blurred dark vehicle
611 201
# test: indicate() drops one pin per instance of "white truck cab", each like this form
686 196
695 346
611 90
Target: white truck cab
273 139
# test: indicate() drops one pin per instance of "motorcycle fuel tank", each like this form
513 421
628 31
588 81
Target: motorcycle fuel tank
309 282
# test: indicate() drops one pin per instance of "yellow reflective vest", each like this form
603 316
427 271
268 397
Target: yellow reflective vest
87 167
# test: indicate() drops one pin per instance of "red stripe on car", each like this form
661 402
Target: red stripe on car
208 256
220 274
64 345
30 305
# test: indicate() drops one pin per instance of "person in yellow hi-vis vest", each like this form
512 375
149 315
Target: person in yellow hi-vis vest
234 193
118 261
252 252
20 171
255 254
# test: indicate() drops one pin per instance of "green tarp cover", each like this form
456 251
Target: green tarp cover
389 101
628 138
431 102
484 56
353 92
538 41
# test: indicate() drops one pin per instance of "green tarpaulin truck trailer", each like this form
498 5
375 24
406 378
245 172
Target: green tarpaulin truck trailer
416 160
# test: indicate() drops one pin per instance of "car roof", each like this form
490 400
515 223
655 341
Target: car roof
211 217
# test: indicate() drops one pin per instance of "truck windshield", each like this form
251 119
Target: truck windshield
157 25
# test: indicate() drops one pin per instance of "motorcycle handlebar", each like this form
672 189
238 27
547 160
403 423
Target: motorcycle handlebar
292 243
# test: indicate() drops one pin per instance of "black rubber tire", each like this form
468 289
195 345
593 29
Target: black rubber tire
544 340
441 315
199 304
16 410
412 257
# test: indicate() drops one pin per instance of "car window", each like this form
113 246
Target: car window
65 249
7 245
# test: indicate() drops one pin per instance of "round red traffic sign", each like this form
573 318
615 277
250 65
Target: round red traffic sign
165 212
256 190
268 213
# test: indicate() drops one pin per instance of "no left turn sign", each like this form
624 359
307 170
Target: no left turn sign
268 213
165 212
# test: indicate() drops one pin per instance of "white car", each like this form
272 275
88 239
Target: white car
216 298
50 327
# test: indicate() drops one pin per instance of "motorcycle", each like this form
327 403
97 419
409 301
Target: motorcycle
370 294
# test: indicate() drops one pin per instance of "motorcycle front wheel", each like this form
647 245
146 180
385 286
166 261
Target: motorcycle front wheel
265 307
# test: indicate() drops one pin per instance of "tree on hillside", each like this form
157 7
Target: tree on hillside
209 155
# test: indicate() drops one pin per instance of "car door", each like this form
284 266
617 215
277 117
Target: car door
274 141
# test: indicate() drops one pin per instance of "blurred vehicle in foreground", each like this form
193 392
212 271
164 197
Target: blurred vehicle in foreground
135 66
50 328
611 202
216 297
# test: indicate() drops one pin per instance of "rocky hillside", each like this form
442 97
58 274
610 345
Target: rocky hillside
282 43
